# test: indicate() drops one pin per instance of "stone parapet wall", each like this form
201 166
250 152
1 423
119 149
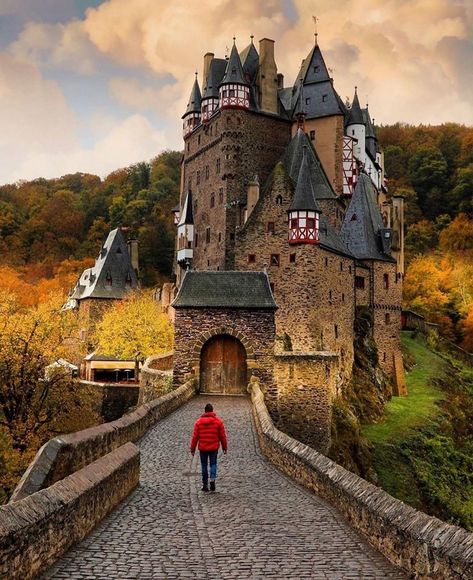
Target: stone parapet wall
156 377
305 390
61 456
422 545
37 530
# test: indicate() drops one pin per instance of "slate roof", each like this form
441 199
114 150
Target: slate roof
363 223
187 216
250 61
195 99
355 116
234 71
225 290
214 78
304 195
317 97
292 161
113 262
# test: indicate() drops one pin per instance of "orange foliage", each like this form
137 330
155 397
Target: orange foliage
467 327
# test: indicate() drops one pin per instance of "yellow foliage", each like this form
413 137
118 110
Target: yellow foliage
134 329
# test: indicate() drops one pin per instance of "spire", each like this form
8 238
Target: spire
234 73
355 115
304 197
195 99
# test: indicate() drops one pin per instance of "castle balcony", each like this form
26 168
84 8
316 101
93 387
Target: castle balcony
184 255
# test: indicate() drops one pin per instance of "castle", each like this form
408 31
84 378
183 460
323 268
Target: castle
284 185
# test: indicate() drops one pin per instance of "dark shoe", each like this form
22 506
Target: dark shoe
212 486
205 488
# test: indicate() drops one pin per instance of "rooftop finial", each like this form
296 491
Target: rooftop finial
252 36
315 19
356 89
234 39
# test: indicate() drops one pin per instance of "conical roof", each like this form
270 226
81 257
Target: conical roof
292 160
214 78
304 195
363 223
355 115
195 99
187 216
234 72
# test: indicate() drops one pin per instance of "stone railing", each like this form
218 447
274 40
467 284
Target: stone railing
37 530
421 545
156 377
62 456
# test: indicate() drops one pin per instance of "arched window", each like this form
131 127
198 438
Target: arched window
279 200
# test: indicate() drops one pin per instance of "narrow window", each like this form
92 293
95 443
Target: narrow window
207 172
212 199
271 285
188 146
359 282
207 235
386 281
384 357
219 236
330 295
220 195
218 165
198 177
292 258
336 330
274 260
387 318
232 237
343 297
189 183
349 269
307 101
196 240
198 140
324 98
341 266
326 262
279 200
270 229
251 258
312 135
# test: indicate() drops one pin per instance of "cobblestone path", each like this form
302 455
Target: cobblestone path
257 525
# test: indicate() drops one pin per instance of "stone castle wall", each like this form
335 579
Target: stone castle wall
220 159
313 287
387 314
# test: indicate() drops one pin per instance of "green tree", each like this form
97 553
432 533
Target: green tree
428 175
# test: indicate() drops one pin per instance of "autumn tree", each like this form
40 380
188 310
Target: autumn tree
34 397
134 329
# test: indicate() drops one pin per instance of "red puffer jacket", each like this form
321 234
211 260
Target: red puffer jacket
209 431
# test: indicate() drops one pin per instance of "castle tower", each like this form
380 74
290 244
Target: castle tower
185 234
355 127
234 90
324 114
304 214
191 118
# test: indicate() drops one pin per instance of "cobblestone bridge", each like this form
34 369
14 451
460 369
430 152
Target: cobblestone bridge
257 525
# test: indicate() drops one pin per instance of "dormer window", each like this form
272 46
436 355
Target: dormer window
324 98
119 250
307 101
316 69
108 279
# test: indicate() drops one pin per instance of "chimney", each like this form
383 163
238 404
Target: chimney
208 57
280 81
268 77
133 253
252 196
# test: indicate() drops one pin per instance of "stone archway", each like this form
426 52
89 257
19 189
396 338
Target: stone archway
223 365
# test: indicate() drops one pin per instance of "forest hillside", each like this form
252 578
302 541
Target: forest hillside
50 230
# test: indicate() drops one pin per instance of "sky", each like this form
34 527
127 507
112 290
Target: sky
95 85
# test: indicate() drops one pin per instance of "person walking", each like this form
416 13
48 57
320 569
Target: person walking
209 433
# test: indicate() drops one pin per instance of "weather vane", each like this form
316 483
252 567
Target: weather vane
315 19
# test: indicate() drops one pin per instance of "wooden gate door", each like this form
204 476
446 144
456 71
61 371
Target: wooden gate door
223 366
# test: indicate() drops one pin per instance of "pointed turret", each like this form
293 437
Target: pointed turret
355 115
371 140
185 233
355 128
234 89
304 213
192 115
215 74
250 61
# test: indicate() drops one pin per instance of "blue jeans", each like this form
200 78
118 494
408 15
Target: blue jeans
205 456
